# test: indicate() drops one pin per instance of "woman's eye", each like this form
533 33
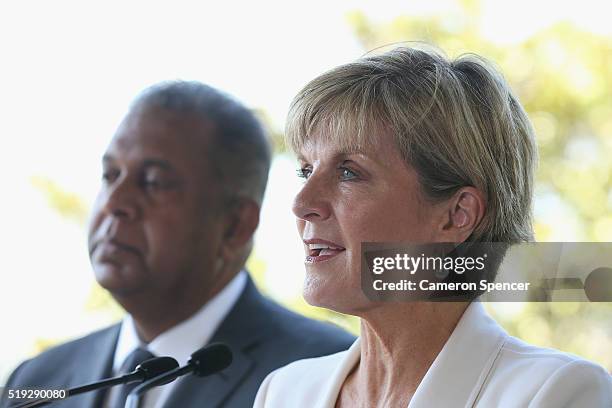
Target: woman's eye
304 172
347 174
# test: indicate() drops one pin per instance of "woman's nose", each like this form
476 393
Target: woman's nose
312 202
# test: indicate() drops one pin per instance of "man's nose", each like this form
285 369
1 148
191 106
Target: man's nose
121 200
312 201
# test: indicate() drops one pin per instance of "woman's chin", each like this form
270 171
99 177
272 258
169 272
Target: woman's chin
332 295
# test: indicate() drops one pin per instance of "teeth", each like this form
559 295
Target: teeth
322 246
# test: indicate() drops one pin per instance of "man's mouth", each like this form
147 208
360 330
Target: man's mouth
111 248
319 251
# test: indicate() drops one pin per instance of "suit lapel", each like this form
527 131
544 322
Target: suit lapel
240 330
471 350
93 364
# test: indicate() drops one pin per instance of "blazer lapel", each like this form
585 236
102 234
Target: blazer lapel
462 366
93 364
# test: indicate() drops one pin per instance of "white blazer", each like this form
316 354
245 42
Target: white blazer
479 366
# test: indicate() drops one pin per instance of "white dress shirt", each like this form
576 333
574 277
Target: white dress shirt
179 341
480 365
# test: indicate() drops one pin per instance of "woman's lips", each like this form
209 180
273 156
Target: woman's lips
319 250
323 255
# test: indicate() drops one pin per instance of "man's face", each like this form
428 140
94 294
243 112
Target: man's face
155 228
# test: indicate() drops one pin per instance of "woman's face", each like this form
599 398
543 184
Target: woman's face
354 197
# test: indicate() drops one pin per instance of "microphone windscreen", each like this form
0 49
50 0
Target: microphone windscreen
156 366
211 359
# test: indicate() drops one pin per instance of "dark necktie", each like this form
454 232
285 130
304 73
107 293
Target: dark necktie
136 357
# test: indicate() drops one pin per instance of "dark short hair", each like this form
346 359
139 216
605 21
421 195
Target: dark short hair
239 149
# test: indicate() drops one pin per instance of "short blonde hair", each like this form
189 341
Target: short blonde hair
456 122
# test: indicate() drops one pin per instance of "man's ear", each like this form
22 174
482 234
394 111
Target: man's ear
464 213
242 220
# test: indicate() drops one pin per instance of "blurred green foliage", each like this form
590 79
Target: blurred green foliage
275 135
67 204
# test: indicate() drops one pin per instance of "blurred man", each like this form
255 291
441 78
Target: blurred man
182 185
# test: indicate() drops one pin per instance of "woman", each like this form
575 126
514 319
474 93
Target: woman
408 146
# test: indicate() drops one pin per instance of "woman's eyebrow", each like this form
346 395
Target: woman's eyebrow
341 154
361 154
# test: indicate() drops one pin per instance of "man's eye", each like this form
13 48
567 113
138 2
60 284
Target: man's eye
110 175
155 184
152 184
304 172
158 183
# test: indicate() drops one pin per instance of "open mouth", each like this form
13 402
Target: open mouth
322 252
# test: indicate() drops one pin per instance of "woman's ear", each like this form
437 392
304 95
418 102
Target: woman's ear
465 211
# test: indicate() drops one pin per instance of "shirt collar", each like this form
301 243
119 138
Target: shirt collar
189 335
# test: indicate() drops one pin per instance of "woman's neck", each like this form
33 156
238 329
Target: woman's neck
398 345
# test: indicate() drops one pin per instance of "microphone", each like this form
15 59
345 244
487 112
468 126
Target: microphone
206 361
145 371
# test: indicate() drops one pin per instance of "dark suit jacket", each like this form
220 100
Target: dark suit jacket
262 335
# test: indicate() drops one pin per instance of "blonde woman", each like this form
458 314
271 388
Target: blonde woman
409 146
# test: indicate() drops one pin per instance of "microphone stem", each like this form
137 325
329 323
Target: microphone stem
101 384
98 385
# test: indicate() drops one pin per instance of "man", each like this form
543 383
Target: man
171 229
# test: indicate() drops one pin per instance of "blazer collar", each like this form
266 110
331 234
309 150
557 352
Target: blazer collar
241 330
458 373
464 362
244 324
331 390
